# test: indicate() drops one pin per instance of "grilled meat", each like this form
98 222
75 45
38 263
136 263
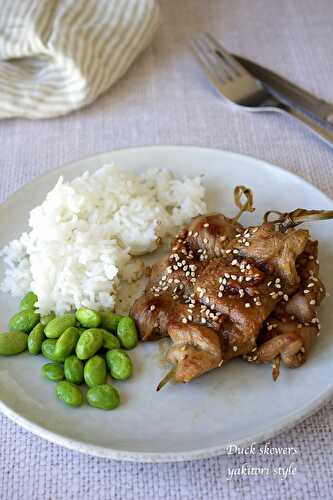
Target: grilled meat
226 291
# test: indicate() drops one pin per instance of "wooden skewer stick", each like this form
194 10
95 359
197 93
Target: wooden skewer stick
166 378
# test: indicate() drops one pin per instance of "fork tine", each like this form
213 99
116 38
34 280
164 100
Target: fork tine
221 67
225 55
206 66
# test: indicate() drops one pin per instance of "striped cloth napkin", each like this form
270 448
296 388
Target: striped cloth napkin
59 55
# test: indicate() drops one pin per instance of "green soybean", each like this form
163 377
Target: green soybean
104 397
48 350
110 321
120 364
95 371
66 342
110 341
13 343
58 325
35 339
73 368
28 301
53 372
45 320
69 393
89 343
127 333
23 321
88 317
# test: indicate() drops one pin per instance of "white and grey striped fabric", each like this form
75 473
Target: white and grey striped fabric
59 55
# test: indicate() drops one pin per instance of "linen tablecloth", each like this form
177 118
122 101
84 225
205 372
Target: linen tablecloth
164 100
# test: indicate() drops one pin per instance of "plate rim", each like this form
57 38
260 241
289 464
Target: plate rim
285 424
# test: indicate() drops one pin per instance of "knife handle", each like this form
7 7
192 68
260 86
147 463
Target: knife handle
320 131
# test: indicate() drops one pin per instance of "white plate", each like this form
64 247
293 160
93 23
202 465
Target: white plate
236 404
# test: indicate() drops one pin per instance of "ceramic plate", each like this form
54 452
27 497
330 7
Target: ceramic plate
236 404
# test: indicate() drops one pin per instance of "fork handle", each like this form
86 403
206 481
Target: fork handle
320 131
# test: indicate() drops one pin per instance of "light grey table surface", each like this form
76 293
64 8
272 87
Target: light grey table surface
164 100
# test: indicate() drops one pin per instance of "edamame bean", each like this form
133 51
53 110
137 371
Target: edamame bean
69 393
73 369
58 325
120 364
110 341
53 372
127 333
95 371
45 320
89 343
110 321
48 350
88 317
23 321
13 343
28 301
66 342
35 339
104 397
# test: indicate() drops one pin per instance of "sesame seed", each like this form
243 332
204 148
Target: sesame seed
317 261
258 303
184 320
235 251
277 285
305 291
223 238
269 327
240 278
286 298
248 278
207 300
203 320
152 307
247 305
310 285
311 257
233 277
190 233
269 283
235 348
299 325
221 362
220 294
189 317
234 262
248 266
205 240
312 302
238 235
227 275
206 224
228 250
195 235
247 244
220 279
277 280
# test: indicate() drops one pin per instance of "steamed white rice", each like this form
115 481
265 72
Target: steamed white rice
85 237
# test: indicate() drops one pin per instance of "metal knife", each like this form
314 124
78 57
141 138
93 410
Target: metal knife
318 108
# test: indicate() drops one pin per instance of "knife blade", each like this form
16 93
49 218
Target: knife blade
313 105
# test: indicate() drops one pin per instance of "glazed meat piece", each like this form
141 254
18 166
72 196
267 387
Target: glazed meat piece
226 291
196 350
289 339
276 252
210 235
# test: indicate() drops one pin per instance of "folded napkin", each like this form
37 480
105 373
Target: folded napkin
59 55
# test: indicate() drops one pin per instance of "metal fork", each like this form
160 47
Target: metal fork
242 89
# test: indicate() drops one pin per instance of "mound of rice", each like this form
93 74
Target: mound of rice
85 237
